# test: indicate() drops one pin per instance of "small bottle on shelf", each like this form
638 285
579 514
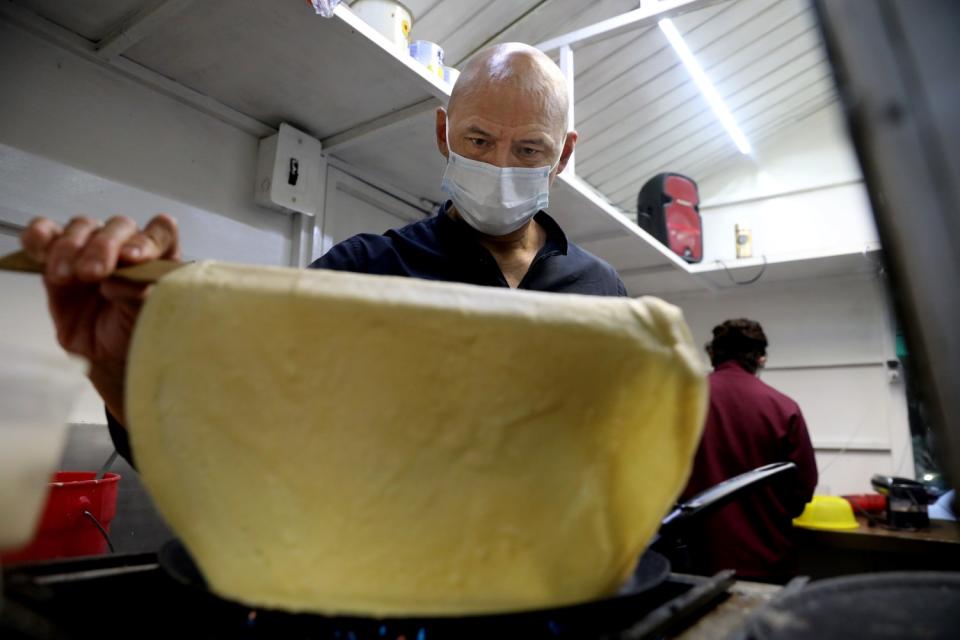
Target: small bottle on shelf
744 241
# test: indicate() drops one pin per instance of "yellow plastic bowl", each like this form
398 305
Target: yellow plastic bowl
832 513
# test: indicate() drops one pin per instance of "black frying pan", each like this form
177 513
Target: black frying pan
582 620
592 618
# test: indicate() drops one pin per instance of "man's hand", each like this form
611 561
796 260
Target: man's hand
94 316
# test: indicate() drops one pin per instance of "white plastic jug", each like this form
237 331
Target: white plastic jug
37 392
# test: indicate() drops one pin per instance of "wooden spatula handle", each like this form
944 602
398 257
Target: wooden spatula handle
146 272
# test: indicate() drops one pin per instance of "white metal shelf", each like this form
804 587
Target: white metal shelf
277 61
792 266
778 269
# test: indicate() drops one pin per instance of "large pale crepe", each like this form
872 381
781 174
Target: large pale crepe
345 443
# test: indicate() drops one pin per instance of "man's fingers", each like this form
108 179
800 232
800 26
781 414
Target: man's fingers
99 257
63 251
159 239
162 230
38 235
85 251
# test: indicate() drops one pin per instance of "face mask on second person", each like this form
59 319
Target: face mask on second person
495 200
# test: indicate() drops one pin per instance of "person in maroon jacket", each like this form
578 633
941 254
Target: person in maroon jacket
749 424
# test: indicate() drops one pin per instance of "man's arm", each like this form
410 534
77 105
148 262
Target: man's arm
621 288
121 439
800 452
343 256
92 313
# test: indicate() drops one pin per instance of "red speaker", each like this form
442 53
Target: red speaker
668 208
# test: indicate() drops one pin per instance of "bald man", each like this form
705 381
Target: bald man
505 138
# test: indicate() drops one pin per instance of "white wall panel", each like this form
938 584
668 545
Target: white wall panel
353 206
122 136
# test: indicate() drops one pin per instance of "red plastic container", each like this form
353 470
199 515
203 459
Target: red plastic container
872 503
76 504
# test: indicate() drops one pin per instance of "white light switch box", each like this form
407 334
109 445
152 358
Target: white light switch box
288 171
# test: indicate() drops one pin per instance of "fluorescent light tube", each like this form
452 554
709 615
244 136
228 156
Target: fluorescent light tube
706 87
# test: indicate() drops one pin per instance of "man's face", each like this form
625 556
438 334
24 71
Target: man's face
506 128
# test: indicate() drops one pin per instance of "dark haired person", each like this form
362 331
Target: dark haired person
749 424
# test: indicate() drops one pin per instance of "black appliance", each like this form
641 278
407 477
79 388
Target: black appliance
906 500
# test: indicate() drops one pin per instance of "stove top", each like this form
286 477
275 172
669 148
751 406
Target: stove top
133 596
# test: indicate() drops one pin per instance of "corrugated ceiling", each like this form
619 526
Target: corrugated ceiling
637 110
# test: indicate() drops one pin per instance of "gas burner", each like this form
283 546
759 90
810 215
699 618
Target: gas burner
137 595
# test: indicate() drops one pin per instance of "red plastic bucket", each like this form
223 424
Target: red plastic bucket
872 503
78 506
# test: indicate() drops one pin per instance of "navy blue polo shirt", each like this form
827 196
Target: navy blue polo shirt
446 248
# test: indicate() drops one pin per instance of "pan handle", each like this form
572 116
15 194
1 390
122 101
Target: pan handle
719 495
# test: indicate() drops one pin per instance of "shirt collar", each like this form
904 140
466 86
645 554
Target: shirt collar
555 244
731 365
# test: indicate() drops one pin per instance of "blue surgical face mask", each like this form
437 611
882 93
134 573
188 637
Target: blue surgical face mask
495 200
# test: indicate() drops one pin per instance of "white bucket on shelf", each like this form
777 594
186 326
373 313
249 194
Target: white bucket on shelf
429 54
450 75
389 17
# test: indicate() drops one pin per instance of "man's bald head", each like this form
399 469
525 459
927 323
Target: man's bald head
517 69
508 109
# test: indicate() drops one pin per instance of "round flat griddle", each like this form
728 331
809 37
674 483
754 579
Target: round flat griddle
920 604
588 618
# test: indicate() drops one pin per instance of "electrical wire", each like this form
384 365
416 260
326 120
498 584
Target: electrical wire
103 532
739 283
